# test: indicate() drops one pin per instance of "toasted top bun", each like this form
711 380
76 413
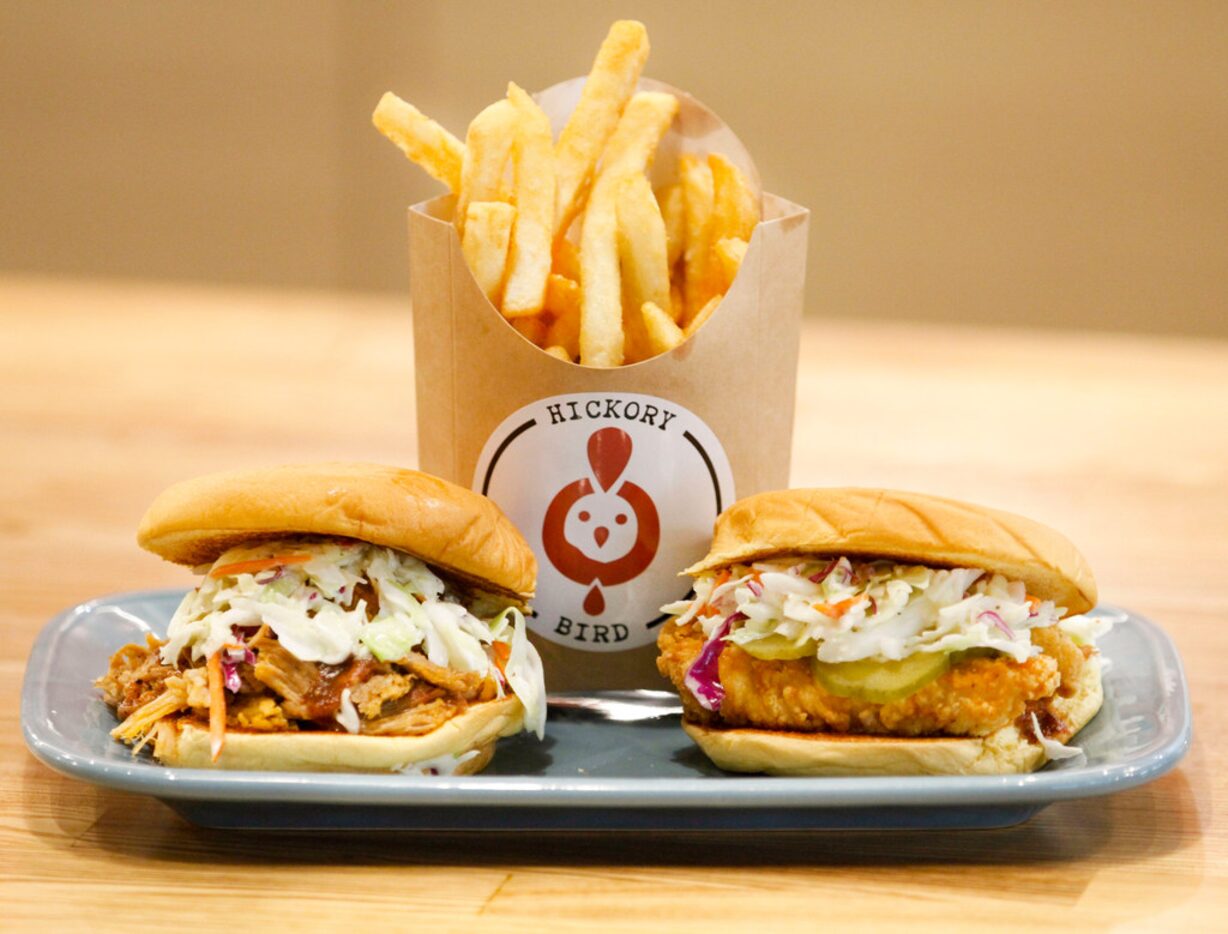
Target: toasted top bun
186 745
911 528
1003 752
454 529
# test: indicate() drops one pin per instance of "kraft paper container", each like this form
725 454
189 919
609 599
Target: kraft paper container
614 476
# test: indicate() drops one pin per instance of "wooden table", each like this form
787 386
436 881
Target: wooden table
110 392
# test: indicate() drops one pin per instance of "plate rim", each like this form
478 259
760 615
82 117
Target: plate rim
583 792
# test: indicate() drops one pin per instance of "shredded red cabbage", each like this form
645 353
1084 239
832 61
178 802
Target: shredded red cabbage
997 621
230 674
822 575
754 587
240 652
232 655
277 574
703 678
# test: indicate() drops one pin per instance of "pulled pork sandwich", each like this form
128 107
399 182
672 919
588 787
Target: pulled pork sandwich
854 632
351 617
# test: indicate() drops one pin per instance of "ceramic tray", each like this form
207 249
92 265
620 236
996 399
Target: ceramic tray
590 773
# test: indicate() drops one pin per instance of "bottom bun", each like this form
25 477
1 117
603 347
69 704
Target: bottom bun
1005 751
461 746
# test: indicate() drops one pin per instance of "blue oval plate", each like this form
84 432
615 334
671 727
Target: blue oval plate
590 774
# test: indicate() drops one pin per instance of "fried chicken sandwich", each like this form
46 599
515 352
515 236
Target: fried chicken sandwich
350 617
860 632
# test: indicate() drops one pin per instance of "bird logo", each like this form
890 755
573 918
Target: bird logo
598 530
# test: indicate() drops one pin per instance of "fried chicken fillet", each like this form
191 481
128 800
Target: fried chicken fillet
974 698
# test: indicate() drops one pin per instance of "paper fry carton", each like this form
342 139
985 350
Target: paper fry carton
614 476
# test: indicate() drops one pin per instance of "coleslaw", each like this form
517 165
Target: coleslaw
315 596
846 611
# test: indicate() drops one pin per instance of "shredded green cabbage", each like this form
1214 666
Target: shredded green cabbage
875 609
305 604
524 670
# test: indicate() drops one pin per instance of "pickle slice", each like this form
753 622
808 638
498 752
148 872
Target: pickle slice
879 682
777 648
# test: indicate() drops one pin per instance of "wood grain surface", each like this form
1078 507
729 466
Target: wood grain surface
110 392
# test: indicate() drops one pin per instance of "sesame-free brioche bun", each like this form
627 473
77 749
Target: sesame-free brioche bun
445 525
1003 752
911 528
183 744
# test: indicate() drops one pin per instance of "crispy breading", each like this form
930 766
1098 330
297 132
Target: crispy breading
974 698
1069 656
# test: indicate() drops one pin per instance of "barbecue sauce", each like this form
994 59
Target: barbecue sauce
1050 724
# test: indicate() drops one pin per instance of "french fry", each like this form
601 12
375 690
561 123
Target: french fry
639 131
735 208
601 316
701 318
662 333
563 299
563 295
531 328
729 254
567 259
642 260
488 143
564 331
569 241
635 339
677 305
641 243
507 187
421 139
673 212
630 150
488 231
607 89
529 256
697 196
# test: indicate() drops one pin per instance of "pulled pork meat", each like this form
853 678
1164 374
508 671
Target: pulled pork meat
422 698
282 673
135 677
370 696
280 692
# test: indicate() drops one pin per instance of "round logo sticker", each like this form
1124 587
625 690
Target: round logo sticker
616 493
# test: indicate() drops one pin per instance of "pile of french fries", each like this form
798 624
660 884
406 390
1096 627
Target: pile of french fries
567 238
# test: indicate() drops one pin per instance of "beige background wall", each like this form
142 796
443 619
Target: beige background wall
1051 163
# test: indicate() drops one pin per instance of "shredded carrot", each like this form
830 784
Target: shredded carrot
722 577
257 564
503 652
1033 602
835 610
217 705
